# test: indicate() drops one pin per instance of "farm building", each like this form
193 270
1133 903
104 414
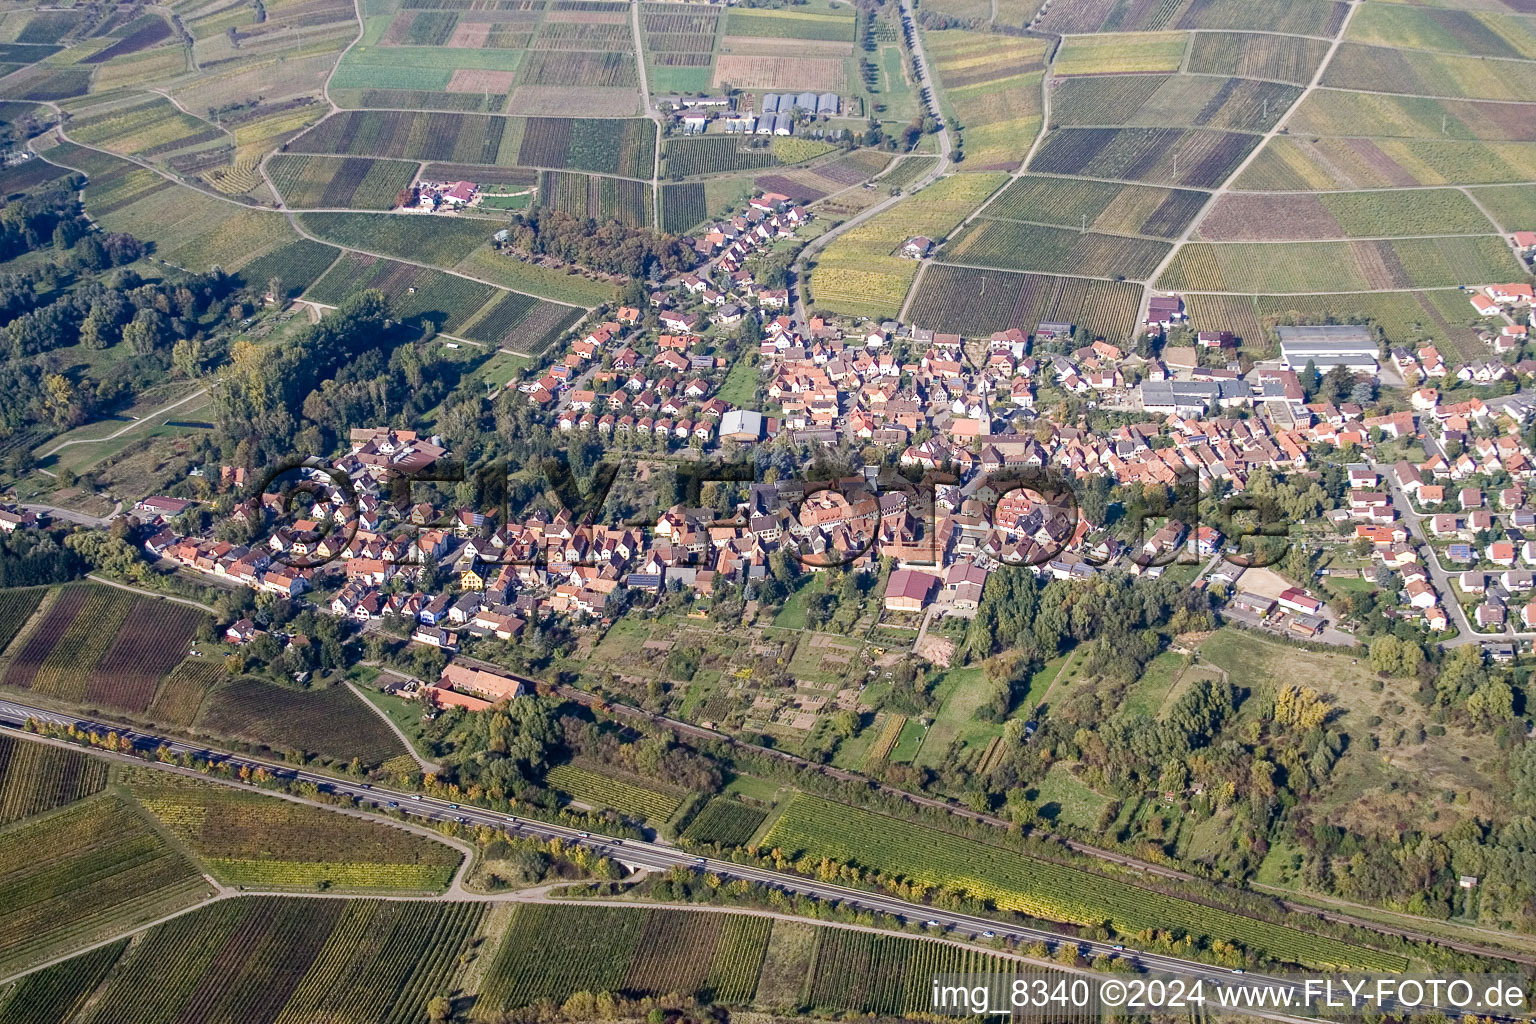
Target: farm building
1327 346
908 590
1164 310
806 101
745 124
771 103
828 103
784 124
474 680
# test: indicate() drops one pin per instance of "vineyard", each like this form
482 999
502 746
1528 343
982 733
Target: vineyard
417 295
265 842
1334 112
978 302
1012 245
1098 206
887 974
291 960
724 822
16 607
1403 316
859 272
992 82
54 994
355 182
551 952
297 265
683 206
330 722
1233 104
83 874
1274 57
623 147
103 646
144 129
1301 17
415 135
1289 163
497 320
438 241
180 696
1340 266
1013 881
1419 73
1191 157
712 154
628 798
1121 53
885 741
1451 31
36 777
587 195
1290 216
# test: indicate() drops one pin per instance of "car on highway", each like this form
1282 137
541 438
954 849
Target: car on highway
698 860
989 935
392 803
586 835
932 924
416 797
1238 970
454 806
1118 949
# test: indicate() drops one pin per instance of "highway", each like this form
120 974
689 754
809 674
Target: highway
654 856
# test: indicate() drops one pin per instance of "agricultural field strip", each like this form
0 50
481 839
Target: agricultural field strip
1193 31
1091 229
293 221
426 266
1041 273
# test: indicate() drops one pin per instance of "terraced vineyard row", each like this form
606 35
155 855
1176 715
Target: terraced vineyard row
1014 881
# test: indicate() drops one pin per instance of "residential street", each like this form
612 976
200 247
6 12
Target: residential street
1443 582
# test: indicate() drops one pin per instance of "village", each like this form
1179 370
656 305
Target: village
1434 502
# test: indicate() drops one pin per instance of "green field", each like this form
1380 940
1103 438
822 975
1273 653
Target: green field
1012 881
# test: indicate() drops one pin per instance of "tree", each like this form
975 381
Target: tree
439 1009
187 357
1337 384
